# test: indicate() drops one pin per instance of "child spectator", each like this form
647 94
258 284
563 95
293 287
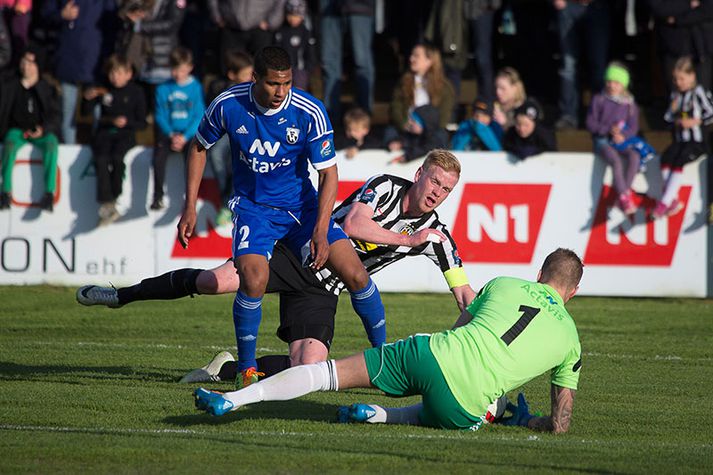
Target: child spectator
357 125
529 136
239 69
179 108
690 108
480 132
510 94
295 38
123 112
613 120
29 112
421 106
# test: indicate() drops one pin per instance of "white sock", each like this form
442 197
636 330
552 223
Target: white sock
289 384
672 186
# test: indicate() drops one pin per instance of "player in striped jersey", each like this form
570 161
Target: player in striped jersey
388 218
274 133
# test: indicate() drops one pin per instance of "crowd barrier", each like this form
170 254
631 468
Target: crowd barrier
505 216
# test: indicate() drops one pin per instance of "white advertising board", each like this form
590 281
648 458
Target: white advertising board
505 216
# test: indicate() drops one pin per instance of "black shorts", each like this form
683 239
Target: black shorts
306 309
679 154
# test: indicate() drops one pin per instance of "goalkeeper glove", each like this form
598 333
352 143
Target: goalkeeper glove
520 413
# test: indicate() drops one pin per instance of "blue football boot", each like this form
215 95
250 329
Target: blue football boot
355 413
212 402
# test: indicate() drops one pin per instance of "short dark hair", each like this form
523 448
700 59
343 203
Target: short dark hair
562 268
271 57
181 55
116 61
236 60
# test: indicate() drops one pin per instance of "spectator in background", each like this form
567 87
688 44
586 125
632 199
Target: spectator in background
179 109
247 25
580 21
613 119
239 69
357 133
529 136
298 41
510 94
86 33
480 132
123 113
690 109
481 17
685 28
357 17
421 106
29 112
156 24
5 46
20 17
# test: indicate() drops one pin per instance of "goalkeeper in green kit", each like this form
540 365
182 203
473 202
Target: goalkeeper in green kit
512 332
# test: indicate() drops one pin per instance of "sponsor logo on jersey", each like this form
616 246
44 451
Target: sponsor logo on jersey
258 166
326 148
241 130
262 148
500 222
367 196
637 240
292 135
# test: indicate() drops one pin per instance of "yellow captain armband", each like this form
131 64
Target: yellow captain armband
456 277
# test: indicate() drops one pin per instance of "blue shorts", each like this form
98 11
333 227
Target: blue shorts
256 229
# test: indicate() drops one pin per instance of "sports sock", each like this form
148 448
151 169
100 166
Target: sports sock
289 384
171 285
247 313
270 365
367 304
403 415
672 186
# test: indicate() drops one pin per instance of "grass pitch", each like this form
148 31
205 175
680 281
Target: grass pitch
90 389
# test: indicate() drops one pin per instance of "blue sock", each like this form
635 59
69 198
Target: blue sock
367 304
247 313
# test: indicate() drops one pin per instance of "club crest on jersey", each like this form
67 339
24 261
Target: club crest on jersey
293 135
407 230
326 148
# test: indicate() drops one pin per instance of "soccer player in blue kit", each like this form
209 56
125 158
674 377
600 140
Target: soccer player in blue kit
274 131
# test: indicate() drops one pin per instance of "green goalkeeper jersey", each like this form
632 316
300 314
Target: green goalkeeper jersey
520 329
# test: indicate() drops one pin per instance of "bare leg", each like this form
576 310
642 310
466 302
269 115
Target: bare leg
219 280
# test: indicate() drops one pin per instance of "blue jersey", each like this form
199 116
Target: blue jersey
270 147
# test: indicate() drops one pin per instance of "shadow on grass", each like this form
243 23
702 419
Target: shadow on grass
297 409
13 371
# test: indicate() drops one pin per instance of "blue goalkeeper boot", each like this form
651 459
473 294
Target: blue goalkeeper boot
355 413
212 402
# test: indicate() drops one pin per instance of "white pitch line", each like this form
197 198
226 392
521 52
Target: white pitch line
162 346
367 433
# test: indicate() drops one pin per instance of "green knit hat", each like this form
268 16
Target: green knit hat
618 74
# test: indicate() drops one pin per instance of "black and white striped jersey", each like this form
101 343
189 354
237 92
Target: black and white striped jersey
696 104
384 194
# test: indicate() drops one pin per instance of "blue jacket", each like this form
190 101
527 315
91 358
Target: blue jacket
473 135
179 108
82 43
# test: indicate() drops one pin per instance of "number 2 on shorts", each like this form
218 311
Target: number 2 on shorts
244 233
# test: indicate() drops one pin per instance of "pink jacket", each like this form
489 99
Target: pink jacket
10 4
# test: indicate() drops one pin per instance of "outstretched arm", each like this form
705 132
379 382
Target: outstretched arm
558 421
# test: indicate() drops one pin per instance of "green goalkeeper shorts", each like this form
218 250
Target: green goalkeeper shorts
408 367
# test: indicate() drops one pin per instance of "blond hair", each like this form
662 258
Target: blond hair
442 159
357 116
684 64
514 79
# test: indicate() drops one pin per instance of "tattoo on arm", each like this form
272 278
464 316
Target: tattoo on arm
562 404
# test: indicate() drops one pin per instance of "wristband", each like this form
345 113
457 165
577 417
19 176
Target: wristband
455 277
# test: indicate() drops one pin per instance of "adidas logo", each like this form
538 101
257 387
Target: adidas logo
241 130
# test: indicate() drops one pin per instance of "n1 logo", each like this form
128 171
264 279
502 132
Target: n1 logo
500 222
638 241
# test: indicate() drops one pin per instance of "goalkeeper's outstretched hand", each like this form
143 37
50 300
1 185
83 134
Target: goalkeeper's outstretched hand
520 413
